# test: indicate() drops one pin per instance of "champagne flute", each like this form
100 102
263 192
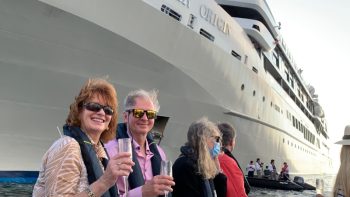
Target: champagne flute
166 168
124 145
319 186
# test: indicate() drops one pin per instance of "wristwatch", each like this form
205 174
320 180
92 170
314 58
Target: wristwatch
89 192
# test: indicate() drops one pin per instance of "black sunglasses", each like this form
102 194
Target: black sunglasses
138 113
95 107
217 138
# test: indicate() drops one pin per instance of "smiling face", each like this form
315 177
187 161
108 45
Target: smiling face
94 123
140 126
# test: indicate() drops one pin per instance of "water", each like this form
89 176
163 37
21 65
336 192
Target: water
328 186
16 190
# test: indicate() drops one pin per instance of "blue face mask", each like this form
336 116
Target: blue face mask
216 150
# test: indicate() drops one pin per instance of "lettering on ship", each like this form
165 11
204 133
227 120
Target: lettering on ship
212 18
185 3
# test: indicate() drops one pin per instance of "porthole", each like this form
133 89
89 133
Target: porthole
254 93
263 98
242 87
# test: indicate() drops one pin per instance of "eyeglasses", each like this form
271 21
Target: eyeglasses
138 113
95 107
217 138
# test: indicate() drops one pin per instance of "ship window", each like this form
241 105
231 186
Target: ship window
191 21
254 93
242 87
263 98
170 12
256 27
287 75
255 69
235 55
275 59
206 34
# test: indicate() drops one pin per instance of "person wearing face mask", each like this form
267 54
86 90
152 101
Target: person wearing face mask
196 171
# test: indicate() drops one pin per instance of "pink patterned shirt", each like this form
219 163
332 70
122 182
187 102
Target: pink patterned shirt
145 164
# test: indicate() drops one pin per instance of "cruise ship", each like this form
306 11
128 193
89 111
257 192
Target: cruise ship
223 59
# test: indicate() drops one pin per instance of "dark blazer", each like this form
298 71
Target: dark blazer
220 183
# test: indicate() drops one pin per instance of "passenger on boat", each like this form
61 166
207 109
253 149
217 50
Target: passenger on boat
250 168
341 186
267 172
140 111
272 169
197 166
258 167
229 165
77 164
284 175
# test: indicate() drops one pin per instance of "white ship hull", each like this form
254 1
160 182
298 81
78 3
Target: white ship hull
47 52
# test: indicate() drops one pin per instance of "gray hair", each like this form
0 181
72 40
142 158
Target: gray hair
228 133
197 136
129 101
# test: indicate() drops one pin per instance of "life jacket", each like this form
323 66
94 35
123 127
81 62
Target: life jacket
136 178
90 159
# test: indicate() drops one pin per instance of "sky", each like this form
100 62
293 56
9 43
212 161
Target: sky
317 33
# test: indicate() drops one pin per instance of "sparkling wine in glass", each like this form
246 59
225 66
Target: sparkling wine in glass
319 186
124 145
166 169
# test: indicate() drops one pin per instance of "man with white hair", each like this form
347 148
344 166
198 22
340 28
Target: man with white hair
140 111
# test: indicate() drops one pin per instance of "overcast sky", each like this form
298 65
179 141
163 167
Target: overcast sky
317 33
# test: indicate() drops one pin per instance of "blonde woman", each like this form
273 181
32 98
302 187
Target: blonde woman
197 165
342 181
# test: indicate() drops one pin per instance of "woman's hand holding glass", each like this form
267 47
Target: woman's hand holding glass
124 146
319 186
119 165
